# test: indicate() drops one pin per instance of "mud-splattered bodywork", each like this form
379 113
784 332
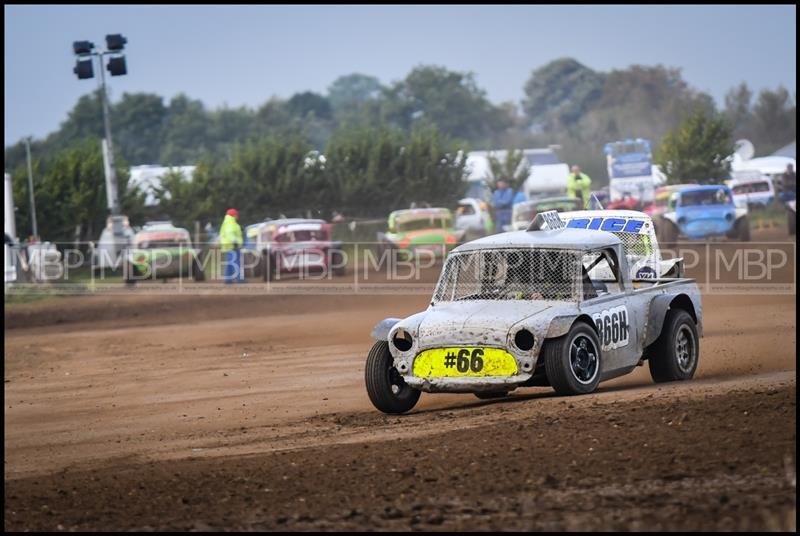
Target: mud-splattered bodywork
466 324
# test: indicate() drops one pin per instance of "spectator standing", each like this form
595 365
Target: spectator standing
579 185
789 184
502 201
230 241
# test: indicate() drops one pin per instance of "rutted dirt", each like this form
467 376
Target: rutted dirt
249 412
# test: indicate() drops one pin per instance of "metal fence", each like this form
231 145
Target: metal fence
502 274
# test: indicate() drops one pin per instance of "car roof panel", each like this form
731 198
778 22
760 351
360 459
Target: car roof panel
577 239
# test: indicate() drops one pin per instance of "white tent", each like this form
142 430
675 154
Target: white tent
789 151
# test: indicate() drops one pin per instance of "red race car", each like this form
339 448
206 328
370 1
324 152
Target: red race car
298 246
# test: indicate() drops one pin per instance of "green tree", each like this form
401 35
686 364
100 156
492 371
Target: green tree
738 109
273 117
559 93
258 177
70 191
510 169
229 126
366 171
308 102
372 170
637 102
451 101
774 121
185 139
698 150
351 91
83 121
138 127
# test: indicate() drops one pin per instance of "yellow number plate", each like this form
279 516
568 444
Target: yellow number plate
464 362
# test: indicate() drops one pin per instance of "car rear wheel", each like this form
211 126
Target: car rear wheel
573 362
743 229
674 355
386 388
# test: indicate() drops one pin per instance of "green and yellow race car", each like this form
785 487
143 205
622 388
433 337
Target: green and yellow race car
161 251
417 230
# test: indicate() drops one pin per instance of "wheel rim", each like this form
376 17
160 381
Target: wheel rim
396 382
583 359
685 348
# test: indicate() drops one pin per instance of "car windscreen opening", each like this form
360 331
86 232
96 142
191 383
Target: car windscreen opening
511 274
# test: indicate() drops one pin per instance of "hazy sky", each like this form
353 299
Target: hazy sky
242 55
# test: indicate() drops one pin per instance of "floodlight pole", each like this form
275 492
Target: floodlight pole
115 44
112 171
30 187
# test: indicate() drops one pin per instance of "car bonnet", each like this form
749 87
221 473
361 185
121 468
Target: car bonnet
477 321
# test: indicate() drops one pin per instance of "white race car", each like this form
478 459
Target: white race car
528 308
637 233
473 217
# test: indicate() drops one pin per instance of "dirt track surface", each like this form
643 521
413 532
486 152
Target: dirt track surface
242 412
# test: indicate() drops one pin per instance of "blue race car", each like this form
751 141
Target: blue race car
702 212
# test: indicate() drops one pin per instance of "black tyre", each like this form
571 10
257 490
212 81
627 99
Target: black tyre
131 275
491 395
669 232
267 266
743 229
385 386
197 271
336 260
573 362
674 355
258 269
792 216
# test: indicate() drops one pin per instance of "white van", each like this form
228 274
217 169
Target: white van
753 192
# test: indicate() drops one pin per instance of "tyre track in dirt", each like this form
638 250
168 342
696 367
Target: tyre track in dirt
80 397
623 465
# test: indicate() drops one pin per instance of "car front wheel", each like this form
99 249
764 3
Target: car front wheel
386 388
573 362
